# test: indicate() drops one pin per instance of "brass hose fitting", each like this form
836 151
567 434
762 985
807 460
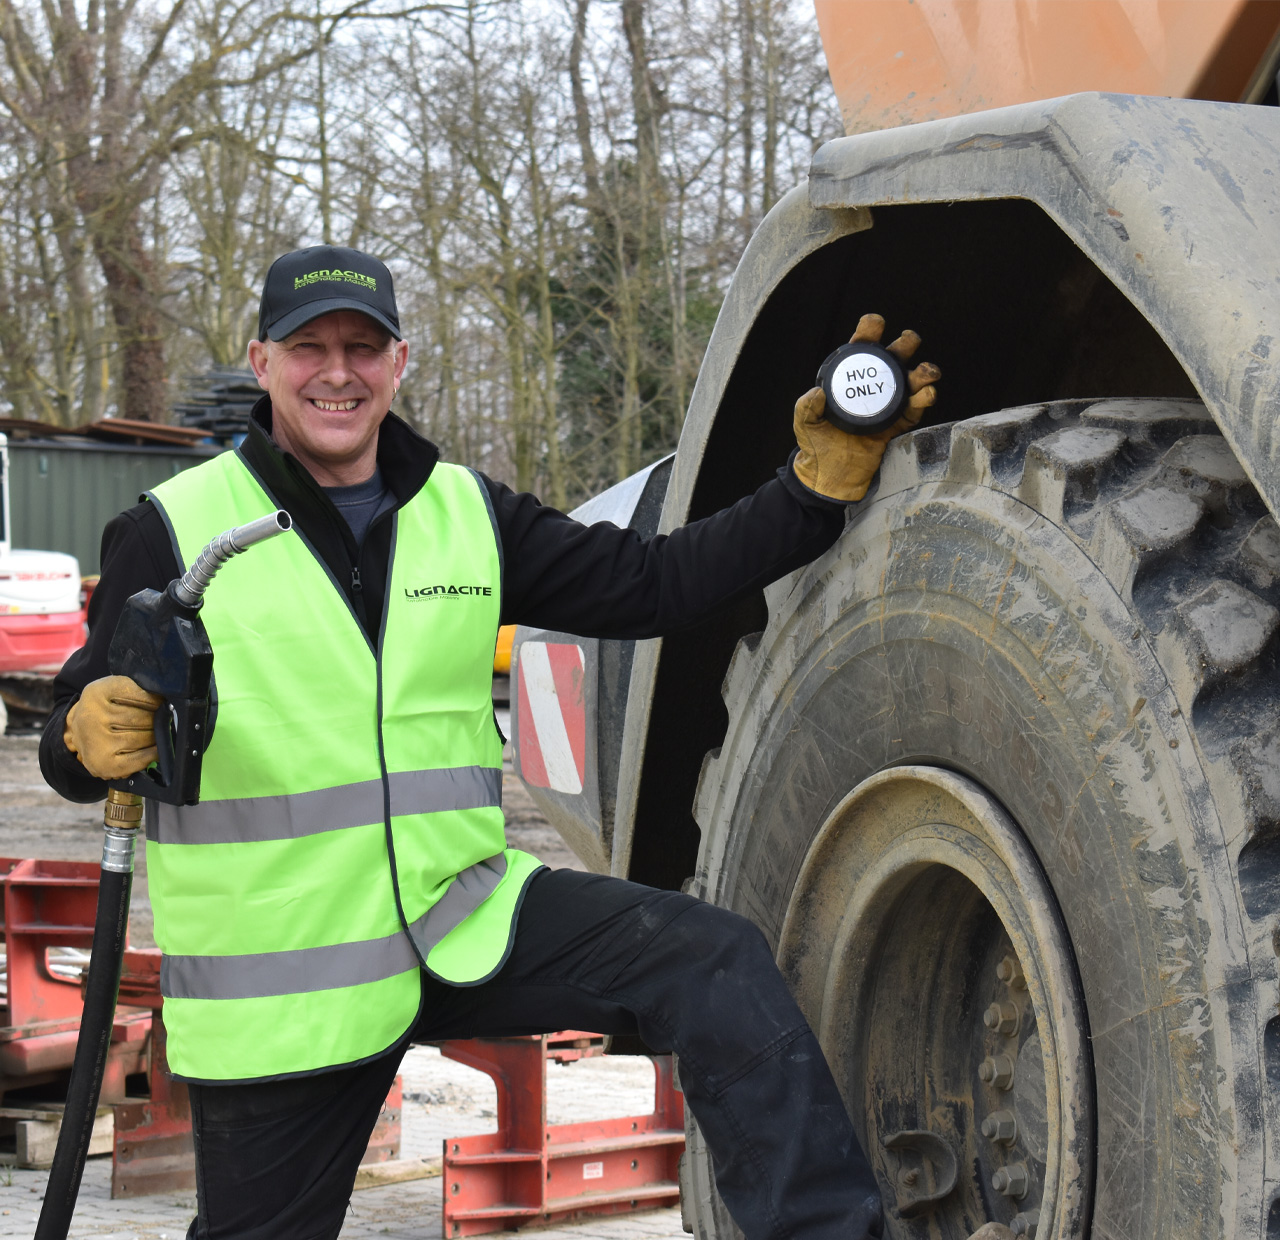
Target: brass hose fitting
121 818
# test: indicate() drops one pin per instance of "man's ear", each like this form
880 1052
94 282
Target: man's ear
402 359
258 361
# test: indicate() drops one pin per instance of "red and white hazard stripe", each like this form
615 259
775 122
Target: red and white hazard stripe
552 715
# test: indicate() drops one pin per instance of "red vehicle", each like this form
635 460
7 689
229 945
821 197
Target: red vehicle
41 617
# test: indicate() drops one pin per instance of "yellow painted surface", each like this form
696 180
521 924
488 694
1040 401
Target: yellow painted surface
502 653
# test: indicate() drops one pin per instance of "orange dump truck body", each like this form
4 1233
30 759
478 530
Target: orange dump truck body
893 62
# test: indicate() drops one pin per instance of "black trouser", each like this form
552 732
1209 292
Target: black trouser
276 1160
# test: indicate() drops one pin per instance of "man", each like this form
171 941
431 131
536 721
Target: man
343 888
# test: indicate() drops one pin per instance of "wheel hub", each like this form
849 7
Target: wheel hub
925 946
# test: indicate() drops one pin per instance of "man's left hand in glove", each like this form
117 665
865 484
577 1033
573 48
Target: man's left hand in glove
840 466
111 728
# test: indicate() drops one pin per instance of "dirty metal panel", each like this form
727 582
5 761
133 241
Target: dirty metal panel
1174 200
153 1148
569 695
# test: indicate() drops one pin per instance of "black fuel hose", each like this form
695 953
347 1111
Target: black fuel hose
102 985
145 636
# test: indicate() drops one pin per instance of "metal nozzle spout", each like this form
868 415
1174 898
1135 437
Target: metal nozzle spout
256 531
189 589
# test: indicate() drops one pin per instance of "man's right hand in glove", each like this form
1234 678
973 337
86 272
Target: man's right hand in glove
111 729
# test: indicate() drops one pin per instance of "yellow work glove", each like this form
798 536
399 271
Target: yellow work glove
111 729
838 465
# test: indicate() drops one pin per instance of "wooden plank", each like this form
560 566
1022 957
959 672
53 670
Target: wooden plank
398 1170
36 1139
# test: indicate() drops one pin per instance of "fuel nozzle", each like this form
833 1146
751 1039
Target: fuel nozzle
190 587
161 644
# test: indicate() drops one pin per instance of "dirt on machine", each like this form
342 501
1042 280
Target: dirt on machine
999 774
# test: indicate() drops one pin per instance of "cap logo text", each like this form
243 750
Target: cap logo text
339 277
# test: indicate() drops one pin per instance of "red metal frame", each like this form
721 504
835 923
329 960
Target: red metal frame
384 1142
153 1149
531 1171
52 904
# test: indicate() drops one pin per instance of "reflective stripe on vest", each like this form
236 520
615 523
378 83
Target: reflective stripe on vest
350 824
266 974
240 820
263 974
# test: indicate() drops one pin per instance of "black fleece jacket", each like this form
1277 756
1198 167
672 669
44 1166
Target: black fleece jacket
595 581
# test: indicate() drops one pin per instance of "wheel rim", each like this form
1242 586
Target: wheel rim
926 948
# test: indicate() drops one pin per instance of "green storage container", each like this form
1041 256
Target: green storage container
62 492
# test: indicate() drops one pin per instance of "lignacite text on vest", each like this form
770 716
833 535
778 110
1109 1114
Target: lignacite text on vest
449 591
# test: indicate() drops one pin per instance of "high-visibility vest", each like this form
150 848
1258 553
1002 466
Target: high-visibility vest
350 826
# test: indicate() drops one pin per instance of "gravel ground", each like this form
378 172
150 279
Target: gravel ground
442 1098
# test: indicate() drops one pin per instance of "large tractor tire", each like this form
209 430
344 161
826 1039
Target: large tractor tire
1002 784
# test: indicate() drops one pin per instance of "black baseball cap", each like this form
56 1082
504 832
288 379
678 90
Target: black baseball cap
304 284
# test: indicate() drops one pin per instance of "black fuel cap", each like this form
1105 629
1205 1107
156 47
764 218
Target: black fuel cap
864 387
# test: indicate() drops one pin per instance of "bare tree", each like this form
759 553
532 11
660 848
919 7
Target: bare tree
562 194
107 101
239 212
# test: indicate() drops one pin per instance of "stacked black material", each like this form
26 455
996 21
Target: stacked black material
218 402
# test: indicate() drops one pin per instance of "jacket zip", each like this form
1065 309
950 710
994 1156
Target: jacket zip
357 598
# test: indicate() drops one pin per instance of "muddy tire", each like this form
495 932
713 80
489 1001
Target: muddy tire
1002 784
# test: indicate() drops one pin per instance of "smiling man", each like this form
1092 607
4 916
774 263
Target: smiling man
344 887
327 381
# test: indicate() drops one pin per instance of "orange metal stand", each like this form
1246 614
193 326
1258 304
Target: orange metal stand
52 904
531 1171
153 1150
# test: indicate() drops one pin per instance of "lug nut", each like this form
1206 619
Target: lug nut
1012 1181
1001 1018
997 1071
1009 971
1026 1224
1001 1126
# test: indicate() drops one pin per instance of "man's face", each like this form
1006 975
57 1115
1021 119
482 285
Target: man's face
331 384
